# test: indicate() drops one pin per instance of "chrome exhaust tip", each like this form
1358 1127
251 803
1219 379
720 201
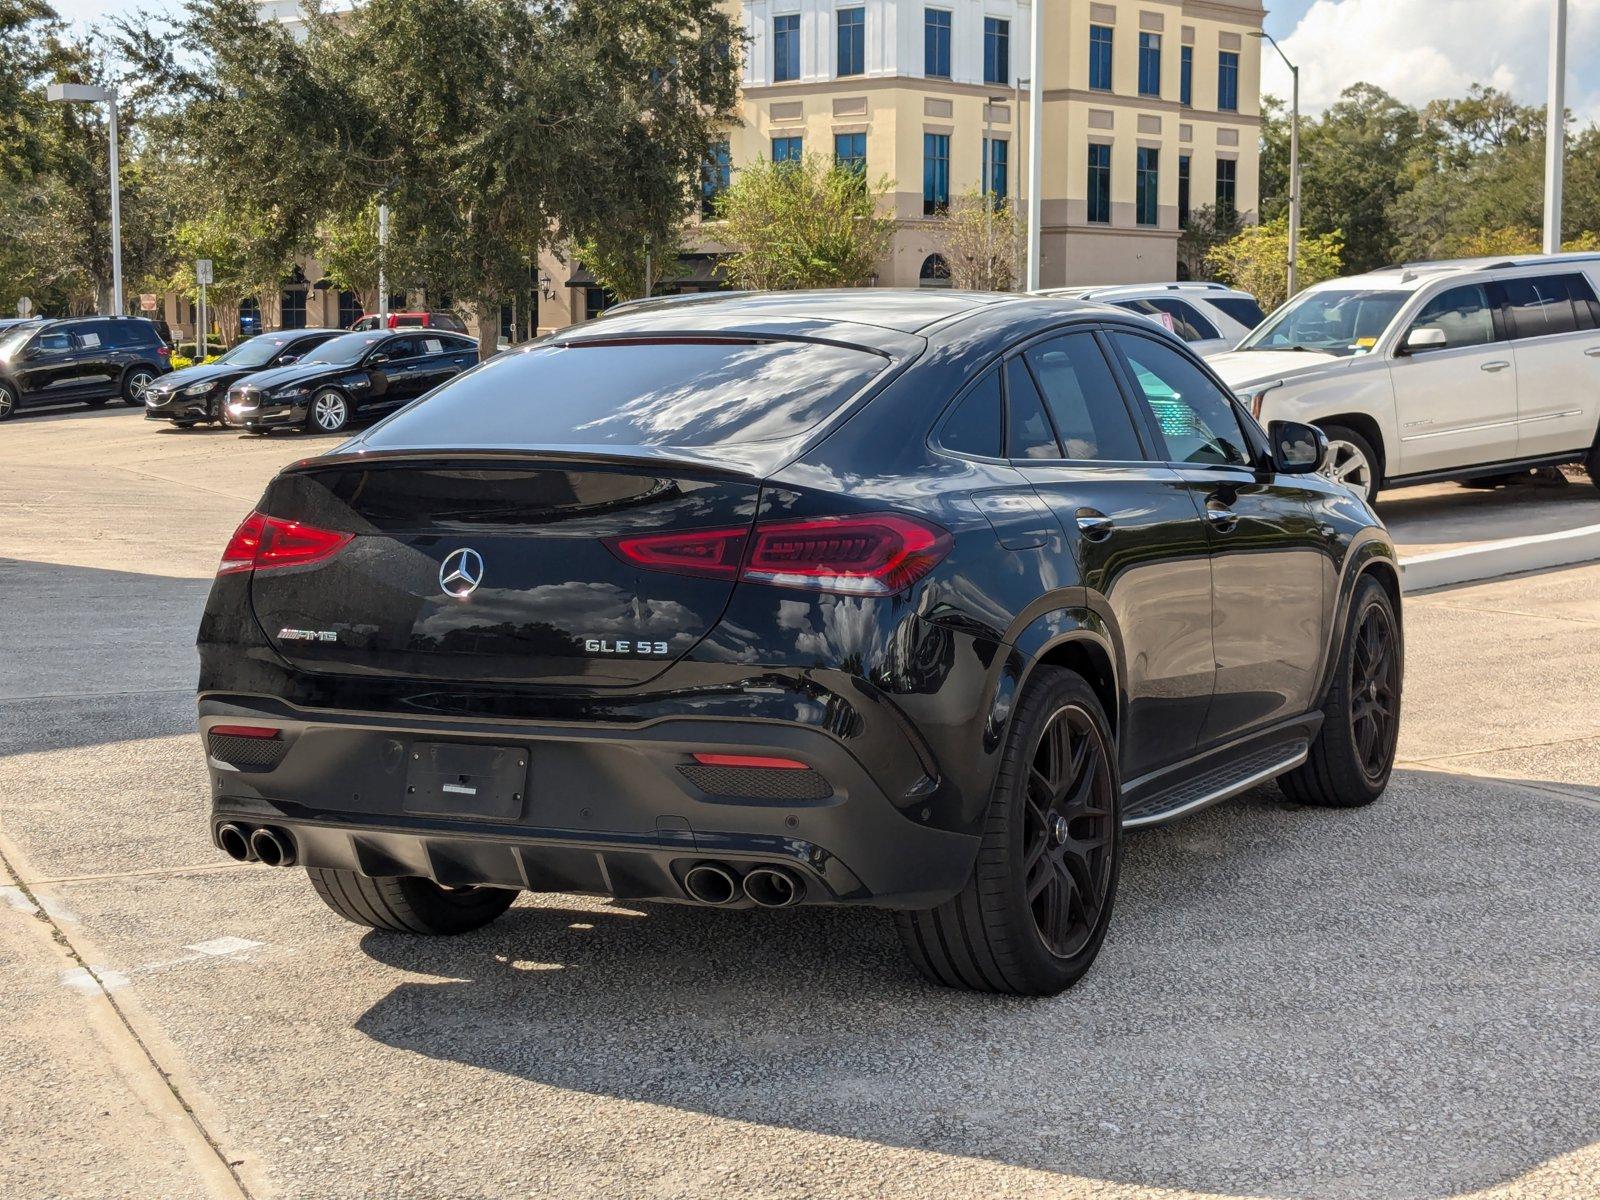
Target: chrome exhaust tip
710 883
235 843
773 888
273 847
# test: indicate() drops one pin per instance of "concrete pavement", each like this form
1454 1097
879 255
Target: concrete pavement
1395 1002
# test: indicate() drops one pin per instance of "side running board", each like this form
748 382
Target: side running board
1198 791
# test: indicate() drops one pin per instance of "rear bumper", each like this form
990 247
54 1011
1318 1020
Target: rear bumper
604 810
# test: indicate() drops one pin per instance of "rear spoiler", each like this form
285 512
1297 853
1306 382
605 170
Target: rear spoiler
720 466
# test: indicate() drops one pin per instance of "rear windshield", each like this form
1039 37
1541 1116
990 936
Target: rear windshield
682 392
1241 308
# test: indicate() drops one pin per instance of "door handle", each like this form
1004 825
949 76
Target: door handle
1497 365
1095 526
1222 519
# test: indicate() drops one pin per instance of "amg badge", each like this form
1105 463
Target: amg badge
308 635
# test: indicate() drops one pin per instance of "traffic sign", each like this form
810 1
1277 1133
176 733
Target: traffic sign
202 271
147 302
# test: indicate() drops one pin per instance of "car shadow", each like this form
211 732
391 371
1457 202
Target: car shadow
1390 1002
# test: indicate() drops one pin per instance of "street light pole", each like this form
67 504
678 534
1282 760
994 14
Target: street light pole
1035 141
1294 161
383 278
69 93
1555 135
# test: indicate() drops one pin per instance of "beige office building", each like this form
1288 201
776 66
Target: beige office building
1151 110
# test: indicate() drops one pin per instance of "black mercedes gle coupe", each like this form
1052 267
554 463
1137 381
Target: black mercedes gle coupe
911 600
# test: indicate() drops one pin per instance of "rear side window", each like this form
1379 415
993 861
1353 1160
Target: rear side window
974 426
1177 316
1091 419
1542 305
688 392
1241 308
1028 432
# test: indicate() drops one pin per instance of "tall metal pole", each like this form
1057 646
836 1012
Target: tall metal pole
116 217
1035 142
1555 136
1294 182
988 200
383 278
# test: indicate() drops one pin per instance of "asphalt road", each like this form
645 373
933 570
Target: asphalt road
1402 1001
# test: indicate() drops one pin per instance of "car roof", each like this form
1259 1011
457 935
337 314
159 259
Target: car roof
1412 276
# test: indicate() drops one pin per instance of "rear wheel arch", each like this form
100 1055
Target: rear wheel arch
1090 659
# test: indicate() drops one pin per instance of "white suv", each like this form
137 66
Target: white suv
1211 317
1466 370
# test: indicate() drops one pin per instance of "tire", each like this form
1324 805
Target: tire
134 382
991 937
408 904
1344 769
1345 447
8 402
328 412
185 424
1591 464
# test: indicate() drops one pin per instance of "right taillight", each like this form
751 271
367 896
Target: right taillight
872 554
262 543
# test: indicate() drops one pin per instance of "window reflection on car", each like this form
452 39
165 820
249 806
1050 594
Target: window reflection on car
343 351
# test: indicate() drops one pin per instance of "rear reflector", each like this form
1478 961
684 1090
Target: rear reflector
874 554
262 542
245 731
750 760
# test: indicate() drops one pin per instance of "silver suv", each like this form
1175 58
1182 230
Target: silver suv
1469 370
1210 317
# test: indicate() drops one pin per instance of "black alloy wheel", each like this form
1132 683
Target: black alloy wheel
1349 762
1031 919
1067 832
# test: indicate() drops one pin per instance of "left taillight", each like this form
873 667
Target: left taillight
870 554
262 543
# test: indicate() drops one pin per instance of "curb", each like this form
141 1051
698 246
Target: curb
1491 560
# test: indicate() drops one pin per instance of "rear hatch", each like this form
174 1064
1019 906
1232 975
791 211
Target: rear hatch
463 571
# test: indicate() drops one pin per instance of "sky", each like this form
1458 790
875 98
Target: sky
1419 50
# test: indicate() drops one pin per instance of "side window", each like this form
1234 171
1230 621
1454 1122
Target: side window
398 348
1463 313
1187 321
1085 401
91 335
1539 306
53 343
1028 432
1242 309
1584 303
974 426
1196 420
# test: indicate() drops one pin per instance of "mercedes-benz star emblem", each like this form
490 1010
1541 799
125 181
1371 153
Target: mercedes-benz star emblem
461 572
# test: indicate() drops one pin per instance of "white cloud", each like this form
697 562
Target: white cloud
1422 50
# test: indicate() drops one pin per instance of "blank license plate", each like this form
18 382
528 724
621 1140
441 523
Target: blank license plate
451 780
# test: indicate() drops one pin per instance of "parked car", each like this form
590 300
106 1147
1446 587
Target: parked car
912 600
447 321
9 323
350 375
196 393
87 360
1469 370
1210 317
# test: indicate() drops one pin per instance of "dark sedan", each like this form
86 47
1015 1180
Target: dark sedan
353 374
909 600
196 393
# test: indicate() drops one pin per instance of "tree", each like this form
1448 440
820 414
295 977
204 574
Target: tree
629 268
249 259
1256 260
805 224
982 241
1208 227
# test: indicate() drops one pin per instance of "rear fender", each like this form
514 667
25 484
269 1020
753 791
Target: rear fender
1075 637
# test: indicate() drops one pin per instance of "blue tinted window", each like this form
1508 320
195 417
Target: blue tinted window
1228 81
1183 191
850 151
786 47
1100 57
996 50
715 176
936 43
1149 64
1146 196
995 152
1099 183
787 149
1186 75
1227 185
935 173
974 427
852 41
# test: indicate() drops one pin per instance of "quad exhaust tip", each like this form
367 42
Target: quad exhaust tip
772 888
710 883
235 843
273 847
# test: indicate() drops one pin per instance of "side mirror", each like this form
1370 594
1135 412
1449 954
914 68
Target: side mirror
287 359
1425 337
377 360
1297 449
